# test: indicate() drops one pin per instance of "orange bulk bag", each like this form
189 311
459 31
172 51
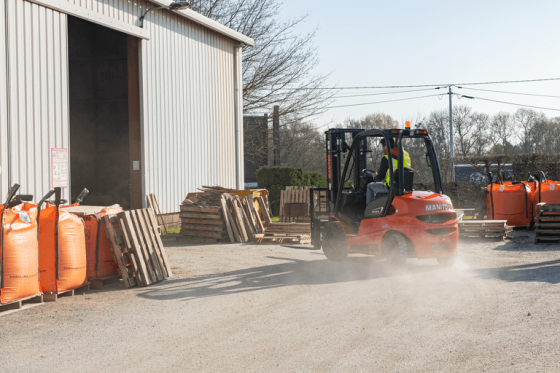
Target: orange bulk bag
511 201
100 258
19 253
62 256
548 192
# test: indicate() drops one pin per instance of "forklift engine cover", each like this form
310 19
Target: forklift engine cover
427 219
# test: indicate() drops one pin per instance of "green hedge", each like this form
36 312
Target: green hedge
277 178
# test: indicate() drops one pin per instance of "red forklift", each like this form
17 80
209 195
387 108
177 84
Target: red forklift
402 223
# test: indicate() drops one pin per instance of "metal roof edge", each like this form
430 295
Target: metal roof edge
207 22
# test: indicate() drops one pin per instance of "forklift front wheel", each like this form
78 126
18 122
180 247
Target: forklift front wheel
395 248
334 241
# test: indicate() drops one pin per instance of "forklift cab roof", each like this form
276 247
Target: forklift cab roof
338 174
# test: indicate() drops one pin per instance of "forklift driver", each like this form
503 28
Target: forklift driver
381 181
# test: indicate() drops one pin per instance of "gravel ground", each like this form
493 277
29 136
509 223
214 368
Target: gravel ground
253 308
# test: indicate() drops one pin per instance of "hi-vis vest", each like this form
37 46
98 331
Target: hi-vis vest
406 161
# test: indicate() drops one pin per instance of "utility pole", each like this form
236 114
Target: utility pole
276 134
451 153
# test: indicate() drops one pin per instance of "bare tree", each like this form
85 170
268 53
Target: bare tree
277 70
525 120
303 145
482 133
502 133
371 121
470 131
438 128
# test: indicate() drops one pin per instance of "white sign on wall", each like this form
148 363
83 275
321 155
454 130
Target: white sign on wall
59 162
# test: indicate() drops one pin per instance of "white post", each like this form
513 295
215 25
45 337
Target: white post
238 120
451 135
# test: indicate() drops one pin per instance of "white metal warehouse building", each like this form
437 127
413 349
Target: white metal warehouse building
134 110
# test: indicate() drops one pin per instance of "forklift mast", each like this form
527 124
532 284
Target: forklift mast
336 143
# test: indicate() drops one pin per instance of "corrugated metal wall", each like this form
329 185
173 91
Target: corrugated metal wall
187 94
122 10
187 86
3 106
188 109
38 92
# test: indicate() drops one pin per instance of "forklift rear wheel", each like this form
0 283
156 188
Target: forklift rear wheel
395 248
447 261
334 242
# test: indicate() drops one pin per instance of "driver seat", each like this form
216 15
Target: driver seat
408 178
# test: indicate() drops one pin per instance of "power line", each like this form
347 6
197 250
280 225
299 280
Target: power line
511 93
436 86
512 103
381 102
386 93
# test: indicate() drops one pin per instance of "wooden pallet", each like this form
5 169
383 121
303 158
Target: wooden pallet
547 226
95 283
219 214
50 296
278 239
19 304
484 229
283 228
294 195
472 236
137 247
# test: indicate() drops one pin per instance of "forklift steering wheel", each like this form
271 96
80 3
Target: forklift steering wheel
366 172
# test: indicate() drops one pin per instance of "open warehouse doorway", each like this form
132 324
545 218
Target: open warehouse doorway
105 145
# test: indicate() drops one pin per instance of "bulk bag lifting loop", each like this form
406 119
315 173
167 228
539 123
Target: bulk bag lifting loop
491 177
11 194
97 242
11 201
542 179
19 248
57 195
79 200
47 196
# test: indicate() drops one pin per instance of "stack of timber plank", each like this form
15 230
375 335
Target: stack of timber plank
203 224
137 247
483 229
547 226
294 195
282 233
217 215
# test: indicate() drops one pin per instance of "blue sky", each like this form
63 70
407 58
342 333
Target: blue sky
379 43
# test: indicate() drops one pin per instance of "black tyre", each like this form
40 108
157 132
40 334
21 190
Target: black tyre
334 241
447 261
395 248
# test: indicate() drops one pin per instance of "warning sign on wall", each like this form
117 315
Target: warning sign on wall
59 161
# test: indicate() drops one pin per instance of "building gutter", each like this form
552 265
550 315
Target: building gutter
207 22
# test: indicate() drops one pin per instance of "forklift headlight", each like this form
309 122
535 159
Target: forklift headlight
440 231
440 218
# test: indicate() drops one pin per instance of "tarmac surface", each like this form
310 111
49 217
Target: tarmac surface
249 308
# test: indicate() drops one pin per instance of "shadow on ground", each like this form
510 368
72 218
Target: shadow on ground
288 273
524 240
548 272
